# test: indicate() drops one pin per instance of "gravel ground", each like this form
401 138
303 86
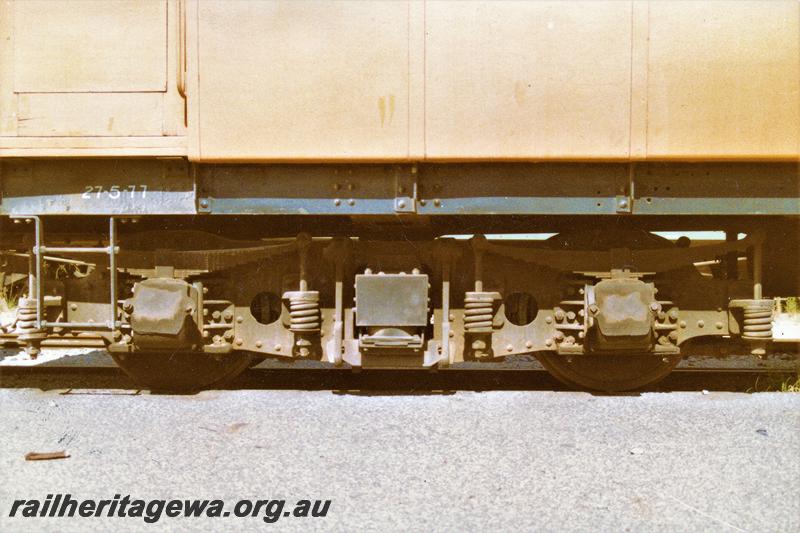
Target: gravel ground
502 461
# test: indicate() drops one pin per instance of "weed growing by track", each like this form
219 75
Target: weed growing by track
777 383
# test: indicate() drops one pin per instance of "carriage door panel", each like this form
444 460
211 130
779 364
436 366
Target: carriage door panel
90 68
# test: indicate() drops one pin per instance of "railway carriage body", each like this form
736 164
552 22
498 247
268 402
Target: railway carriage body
200 183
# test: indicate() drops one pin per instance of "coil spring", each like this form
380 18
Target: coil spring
26 330
757 322
304 315
478 312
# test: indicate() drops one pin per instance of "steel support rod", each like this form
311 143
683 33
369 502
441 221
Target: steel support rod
731 258
478 270
81 325
67 250
39 230
757 263
338 325
303 242
446 311
112 270
479 244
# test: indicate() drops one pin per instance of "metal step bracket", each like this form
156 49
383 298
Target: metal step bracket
36 287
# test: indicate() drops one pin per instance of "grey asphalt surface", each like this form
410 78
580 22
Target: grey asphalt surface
463 461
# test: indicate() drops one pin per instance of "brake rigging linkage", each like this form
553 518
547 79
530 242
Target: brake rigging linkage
339 253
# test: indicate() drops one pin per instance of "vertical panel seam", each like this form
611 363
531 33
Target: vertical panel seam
424 80
630 91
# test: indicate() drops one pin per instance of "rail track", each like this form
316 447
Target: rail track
82 371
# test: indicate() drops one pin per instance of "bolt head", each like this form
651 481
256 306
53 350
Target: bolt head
718 325
278 347
258 344
548 342
401 204
528 344
701 324
351 202
239 342
655 306
509 348
204 203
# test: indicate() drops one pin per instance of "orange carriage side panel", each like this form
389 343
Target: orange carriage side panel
723 80
527 80
302 81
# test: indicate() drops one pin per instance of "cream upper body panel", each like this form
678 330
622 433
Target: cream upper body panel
302 80
269 81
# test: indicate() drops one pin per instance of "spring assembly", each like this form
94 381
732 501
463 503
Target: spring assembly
757 321
304 314
478 311
26 330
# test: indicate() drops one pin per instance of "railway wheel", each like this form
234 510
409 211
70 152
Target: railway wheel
182 372
609 373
